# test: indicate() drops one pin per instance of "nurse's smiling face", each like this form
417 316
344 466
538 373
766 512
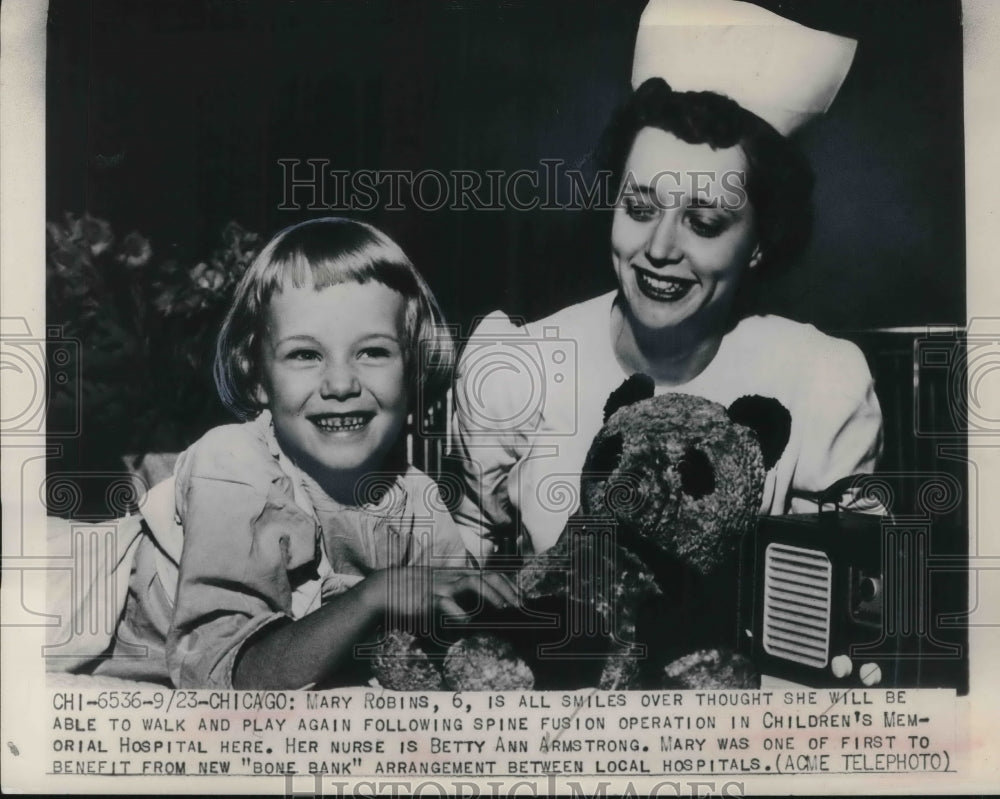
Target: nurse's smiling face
680 242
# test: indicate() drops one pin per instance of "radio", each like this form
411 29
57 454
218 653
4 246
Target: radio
837 599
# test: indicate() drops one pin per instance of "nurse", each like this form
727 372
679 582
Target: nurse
711 193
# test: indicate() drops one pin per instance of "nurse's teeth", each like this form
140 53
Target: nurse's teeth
662 287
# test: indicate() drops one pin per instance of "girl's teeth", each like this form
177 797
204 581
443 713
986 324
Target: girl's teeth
341 423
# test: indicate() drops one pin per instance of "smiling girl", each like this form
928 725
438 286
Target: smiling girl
304 527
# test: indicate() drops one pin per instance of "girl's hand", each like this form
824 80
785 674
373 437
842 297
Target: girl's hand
414 592
471 584
315 647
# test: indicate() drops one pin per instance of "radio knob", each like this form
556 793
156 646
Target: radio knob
870 674
869 588
841 666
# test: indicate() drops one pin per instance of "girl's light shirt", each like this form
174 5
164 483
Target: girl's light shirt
262 543
529 401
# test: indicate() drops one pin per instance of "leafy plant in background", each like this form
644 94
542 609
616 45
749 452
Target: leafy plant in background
146 323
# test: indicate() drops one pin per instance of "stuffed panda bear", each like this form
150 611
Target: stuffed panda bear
641 589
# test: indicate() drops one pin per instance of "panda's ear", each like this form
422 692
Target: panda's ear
769 419
605 454
635 388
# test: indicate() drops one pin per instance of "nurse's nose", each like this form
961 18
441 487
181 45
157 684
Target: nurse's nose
663 246
340 381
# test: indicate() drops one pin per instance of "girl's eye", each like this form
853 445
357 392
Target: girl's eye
374 353
641 211
303 355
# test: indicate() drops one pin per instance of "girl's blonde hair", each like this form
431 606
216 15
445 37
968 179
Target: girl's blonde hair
321 253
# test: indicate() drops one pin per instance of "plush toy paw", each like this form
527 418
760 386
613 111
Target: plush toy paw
711 669
476 663
402 664
486 663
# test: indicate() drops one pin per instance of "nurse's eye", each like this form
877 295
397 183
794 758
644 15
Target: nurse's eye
640 210
706 225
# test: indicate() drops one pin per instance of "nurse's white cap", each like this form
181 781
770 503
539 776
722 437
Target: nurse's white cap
783 72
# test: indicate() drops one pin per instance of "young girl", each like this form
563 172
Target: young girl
304 528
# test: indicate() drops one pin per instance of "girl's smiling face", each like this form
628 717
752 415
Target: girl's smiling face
680 239
334 378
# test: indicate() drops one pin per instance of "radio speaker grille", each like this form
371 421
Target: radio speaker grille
797 599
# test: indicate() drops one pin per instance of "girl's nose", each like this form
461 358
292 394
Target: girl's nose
340 381
663 246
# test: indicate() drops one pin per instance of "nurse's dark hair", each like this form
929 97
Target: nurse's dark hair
779 179
317 254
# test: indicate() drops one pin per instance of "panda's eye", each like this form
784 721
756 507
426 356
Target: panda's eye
697 473
607 454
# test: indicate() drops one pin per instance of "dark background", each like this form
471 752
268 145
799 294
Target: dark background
171 117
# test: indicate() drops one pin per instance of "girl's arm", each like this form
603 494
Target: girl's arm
314 648
243 536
